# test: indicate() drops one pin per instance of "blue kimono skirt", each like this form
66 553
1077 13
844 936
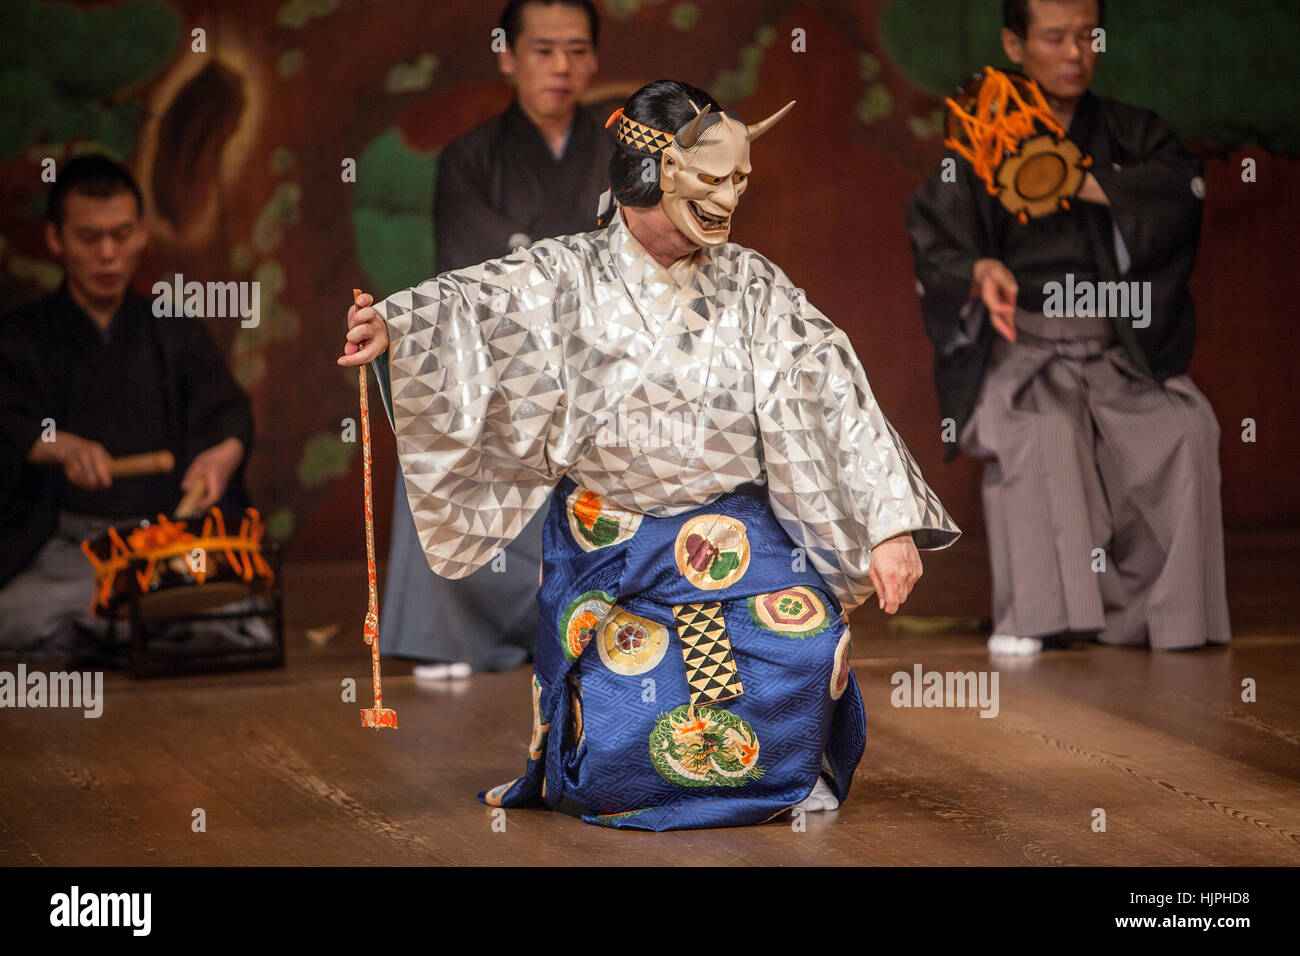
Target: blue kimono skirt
690 671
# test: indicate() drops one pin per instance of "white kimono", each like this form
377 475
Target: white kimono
658 389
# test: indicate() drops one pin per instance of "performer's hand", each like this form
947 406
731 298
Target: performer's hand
214 468
895 568
367 335
84 462
997 288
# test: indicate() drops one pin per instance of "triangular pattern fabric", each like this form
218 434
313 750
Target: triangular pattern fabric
660 389
706 651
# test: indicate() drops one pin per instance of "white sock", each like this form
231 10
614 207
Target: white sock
441 671
1011 645
821 798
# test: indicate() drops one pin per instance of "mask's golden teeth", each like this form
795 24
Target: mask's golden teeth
710 223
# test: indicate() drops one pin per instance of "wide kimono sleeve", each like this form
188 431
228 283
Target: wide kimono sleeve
1156 196
1155 190
475 387
215 407
949 222
467 227
950 232
840 479
23 402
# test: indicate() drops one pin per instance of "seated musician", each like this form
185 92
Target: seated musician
91 374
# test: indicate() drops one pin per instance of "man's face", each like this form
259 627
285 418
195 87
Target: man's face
1056 52
100 243
703 186
553 59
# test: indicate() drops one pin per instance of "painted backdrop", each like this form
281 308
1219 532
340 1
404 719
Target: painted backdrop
241 120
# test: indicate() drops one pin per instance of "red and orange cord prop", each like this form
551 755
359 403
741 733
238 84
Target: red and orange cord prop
379 715
993 129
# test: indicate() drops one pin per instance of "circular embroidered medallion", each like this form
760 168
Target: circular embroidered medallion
595 523
795 612
704 747
580 620
842 671
629 644
712 551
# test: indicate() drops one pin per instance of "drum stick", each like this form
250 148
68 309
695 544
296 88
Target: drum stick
149 463
190 500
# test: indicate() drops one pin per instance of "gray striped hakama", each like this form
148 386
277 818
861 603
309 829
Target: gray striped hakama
1086 452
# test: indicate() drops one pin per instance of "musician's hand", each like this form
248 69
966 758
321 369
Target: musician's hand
367 335
997 288
84 462
895 567
214 468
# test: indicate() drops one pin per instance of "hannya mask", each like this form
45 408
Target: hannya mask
704 171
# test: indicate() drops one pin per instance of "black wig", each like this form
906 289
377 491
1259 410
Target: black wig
664 105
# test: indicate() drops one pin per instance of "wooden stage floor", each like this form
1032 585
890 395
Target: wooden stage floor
1186 772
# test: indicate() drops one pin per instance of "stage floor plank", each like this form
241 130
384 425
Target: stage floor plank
1186 772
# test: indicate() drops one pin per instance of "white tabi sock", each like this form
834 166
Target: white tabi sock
821 798
441 671
1011 645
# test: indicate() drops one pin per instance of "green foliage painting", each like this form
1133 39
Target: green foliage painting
392 213
67 72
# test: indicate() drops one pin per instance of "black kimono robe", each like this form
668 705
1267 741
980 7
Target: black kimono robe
1156 192
500 181
151 383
